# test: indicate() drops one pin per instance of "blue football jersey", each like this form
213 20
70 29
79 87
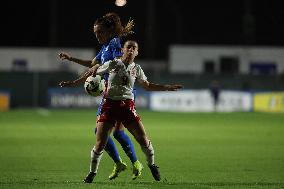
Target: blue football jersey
109 51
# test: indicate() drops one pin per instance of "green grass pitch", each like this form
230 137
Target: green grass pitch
51 149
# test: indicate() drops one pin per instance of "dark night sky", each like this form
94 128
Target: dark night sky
70 23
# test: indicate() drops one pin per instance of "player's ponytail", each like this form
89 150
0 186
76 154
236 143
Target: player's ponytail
112 22
128 28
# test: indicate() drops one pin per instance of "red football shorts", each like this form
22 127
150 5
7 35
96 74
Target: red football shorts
118 110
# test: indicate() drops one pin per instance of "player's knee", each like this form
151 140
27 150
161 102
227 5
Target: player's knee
142 140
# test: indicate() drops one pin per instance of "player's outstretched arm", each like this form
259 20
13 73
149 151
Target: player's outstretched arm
80 80
66 56
157 87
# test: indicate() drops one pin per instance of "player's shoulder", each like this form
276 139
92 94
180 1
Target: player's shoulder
115 42
136 66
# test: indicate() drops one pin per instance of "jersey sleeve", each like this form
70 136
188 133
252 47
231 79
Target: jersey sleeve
104 68
140 74
115 47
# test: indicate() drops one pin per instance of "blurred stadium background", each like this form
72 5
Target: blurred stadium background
234 47
238 45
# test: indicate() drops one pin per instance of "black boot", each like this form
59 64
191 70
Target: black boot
155 172
89 178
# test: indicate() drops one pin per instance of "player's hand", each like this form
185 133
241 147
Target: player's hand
66 83
173 87
64 56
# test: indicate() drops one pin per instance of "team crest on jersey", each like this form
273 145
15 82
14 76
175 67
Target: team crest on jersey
133 72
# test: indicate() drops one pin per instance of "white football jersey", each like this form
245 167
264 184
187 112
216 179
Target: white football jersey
121 78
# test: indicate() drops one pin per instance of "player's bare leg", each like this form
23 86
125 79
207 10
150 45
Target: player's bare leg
112 151
103 131
139 133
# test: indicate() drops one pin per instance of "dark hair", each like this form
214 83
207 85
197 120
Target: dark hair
130 40
111 21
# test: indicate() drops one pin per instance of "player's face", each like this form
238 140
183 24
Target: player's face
101 34
130 48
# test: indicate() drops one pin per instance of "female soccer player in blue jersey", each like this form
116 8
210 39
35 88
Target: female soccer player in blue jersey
108 30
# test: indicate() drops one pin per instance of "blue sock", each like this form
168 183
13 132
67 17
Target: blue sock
110 148
126 144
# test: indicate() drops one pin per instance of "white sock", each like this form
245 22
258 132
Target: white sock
95 160
149 152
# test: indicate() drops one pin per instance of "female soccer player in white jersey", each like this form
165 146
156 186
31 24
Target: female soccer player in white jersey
119 105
